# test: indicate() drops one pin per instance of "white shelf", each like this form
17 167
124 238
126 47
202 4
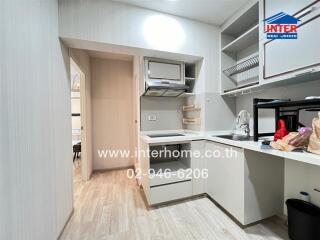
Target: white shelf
190 78
247 18
262 87
173 166
243 41
242 91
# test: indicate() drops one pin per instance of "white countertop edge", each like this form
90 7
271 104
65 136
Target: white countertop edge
209 136
189 136
304 157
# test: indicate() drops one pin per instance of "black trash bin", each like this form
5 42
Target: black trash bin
303 220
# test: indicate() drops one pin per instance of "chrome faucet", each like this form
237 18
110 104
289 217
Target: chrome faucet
243 120
246 128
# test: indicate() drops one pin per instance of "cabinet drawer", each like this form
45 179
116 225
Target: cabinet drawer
170 192
160 179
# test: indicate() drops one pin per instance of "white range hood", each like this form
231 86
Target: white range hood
164 78
165 89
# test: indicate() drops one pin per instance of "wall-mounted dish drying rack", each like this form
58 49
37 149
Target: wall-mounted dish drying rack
244 74
241 67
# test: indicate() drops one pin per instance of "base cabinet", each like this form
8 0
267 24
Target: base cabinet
248 184
165 178
199 168
170 192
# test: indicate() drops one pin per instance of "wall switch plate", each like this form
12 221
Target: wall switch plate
152 118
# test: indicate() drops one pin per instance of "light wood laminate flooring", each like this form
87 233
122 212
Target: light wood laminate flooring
111 206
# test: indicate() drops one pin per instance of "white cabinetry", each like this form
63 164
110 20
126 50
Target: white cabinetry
291 7
198 166
292 59
240 50
165 178
249 185
226 179
165 193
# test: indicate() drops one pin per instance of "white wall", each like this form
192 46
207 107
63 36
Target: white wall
36 162
82 59
219 112
168 112
5 217
301 177
120 24
112 110
105 24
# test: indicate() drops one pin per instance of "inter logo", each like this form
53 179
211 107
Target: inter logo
281 26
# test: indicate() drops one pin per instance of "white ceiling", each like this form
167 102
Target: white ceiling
211 11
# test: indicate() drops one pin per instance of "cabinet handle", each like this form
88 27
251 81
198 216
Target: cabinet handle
306 12
165 82
304 73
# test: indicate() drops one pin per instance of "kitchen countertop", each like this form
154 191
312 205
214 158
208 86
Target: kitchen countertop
188 136
304 157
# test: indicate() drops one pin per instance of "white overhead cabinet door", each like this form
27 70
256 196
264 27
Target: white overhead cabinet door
291 7
166 71
285 59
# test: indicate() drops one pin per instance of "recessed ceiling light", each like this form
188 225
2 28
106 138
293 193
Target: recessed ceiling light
163 33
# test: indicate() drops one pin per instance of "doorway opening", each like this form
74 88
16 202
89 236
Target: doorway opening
78 119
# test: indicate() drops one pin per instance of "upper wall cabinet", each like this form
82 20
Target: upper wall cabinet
294 59
240 50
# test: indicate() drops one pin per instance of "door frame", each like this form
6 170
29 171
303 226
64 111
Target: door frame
84 141
136 110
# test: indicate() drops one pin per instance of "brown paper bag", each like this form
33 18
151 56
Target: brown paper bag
314 143
283 144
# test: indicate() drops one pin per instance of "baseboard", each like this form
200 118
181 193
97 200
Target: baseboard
171 202
66 223
228 214
112 169
177 201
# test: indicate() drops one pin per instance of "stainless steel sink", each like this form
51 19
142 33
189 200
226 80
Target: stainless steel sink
235 137
166 135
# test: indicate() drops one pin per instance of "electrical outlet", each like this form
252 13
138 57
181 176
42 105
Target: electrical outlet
152 118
